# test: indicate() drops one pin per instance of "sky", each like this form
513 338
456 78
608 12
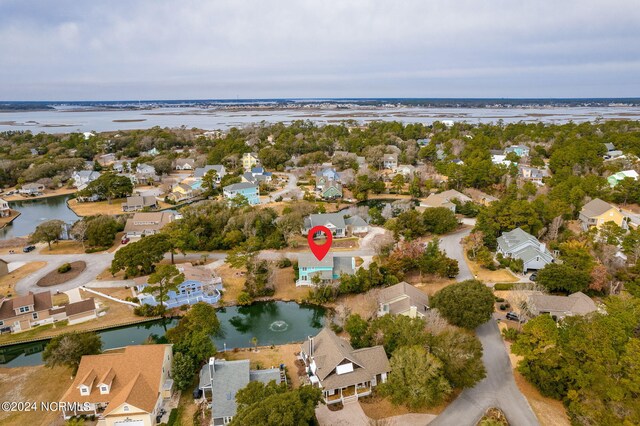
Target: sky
227 49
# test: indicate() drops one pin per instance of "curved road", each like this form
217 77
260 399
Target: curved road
499 388
291 187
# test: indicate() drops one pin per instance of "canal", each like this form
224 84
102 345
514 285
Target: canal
34 212
272 323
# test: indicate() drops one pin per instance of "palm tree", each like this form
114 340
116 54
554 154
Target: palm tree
254 341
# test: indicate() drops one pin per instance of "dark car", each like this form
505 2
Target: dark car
197 393
512 316
27 249
533 276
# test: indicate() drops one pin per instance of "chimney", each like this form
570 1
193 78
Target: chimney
212 367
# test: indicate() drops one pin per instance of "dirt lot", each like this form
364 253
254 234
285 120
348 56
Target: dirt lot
498 276
33 384
267 358
55 278
8 282
116 313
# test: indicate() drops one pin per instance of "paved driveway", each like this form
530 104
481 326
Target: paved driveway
451 244
291 188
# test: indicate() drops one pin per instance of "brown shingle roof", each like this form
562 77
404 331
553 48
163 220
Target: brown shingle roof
136 372
329 351
40 301
80 307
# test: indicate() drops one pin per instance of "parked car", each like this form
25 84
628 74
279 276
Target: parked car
125 240
27 249
513 316
533 276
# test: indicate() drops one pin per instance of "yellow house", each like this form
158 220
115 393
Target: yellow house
597 213
249 160
122 388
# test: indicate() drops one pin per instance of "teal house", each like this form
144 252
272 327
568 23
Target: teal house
248 190
328 269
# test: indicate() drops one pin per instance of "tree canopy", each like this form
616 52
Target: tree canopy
467 304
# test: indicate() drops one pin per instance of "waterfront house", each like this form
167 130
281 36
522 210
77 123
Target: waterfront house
125 388
147 223
519 150
333 221
5 210
249 191
139 202
221 380
199 285
201 171
328 269
250 160
518 244
444 199
22 313
356 225
82 178
620 176
182 192
185 164
403 299
561 306
330 190
598 212
31 189
390 161
344 374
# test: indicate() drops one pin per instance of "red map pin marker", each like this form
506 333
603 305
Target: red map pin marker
320 250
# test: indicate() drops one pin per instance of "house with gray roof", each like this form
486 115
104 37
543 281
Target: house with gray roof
518 244
532 174
561 306
223 379
519 150
328 269
139 202
344 374
403 299
219 168
81 178
337 224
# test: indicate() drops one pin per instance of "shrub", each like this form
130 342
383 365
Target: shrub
244 299
503 286
64 268
284 263
499 299
510 334
147 310
503 307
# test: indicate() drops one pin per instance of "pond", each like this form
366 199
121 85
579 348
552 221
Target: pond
34 212
272 323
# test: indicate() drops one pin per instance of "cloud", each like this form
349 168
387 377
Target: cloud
152 49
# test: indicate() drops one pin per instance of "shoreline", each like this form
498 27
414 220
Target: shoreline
55 193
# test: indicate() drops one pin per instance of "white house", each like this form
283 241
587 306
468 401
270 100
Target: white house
82 178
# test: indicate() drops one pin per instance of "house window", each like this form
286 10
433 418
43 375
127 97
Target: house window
125 408
35 315
1 323
24 309
84 390
104 389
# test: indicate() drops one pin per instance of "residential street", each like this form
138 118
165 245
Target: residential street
451 244
291 187
498 389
